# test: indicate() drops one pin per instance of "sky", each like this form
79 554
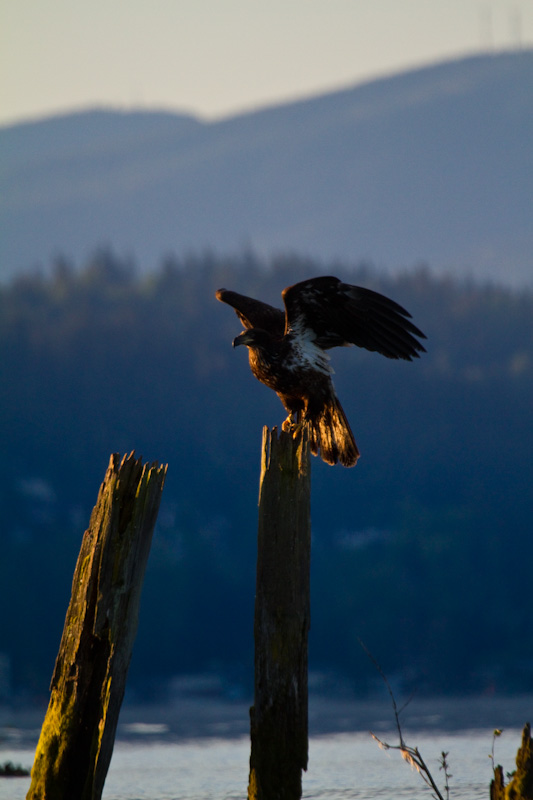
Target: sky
215 58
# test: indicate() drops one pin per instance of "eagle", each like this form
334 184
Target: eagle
288 351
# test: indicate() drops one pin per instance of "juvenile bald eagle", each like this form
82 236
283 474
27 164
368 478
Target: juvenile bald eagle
287 351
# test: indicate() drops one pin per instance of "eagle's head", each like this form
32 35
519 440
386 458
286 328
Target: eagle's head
256 338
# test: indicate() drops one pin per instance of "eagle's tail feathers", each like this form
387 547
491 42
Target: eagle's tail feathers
331 436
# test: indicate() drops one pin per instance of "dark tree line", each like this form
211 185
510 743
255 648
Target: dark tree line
423 550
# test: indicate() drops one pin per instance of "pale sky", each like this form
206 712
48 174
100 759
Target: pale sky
218 57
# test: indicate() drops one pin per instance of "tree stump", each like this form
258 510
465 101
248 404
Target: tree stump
78 733
520 786
279 717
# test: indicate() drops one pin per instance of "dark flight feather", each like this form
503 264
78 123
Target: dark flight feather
341 314
253 313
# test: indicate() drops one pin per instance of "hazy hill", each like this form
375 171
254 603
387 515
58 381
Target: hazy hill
433 165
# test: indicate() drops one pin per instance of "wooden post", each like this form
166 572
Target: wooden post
89 679
279 734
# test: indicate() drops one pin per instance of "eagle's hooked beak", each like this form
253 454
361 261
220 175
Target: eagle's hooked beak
242 338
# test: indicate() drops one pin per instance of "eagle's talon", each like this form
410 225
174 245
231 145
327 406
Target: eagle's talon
287 424
297 428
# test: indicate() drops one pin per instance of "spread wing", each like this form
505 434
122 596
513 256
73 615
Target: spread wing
253 313
340 314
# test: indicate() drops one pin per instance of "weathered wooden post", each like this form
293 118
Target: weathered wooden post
89 679
279 732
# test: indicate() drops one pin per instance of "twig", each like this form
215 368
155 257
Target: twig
412 755
397 711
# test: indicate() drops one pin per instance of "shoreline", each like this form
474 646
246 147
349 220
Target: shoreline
193 717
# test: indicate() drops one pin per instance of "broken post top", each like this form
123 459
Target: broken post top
288 451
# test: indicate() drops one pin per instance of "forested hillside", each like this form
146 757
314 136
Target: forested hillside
423 550
430 165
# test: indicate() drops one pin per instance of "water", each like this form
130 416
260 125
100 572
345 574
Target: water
341 766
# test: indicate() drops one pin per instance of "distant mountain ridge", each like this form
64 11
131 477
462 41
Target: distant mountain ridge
433 165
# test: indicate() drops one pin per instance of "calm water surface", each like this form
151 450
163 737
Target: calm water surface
341 766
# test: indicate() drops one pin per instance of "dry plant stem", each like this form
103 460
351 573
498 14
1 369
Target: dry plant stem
414 758
410 754
495 734
447 775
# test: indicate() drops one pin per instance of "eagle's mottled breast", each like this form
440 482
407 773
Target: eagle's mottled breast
305 353
267 366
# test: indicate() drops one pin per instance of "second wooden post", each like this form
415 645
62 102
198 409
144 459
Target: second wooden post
89 679
279 732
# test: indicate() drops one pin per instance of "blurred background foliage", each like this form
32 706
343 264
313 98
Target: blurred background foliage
424 550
